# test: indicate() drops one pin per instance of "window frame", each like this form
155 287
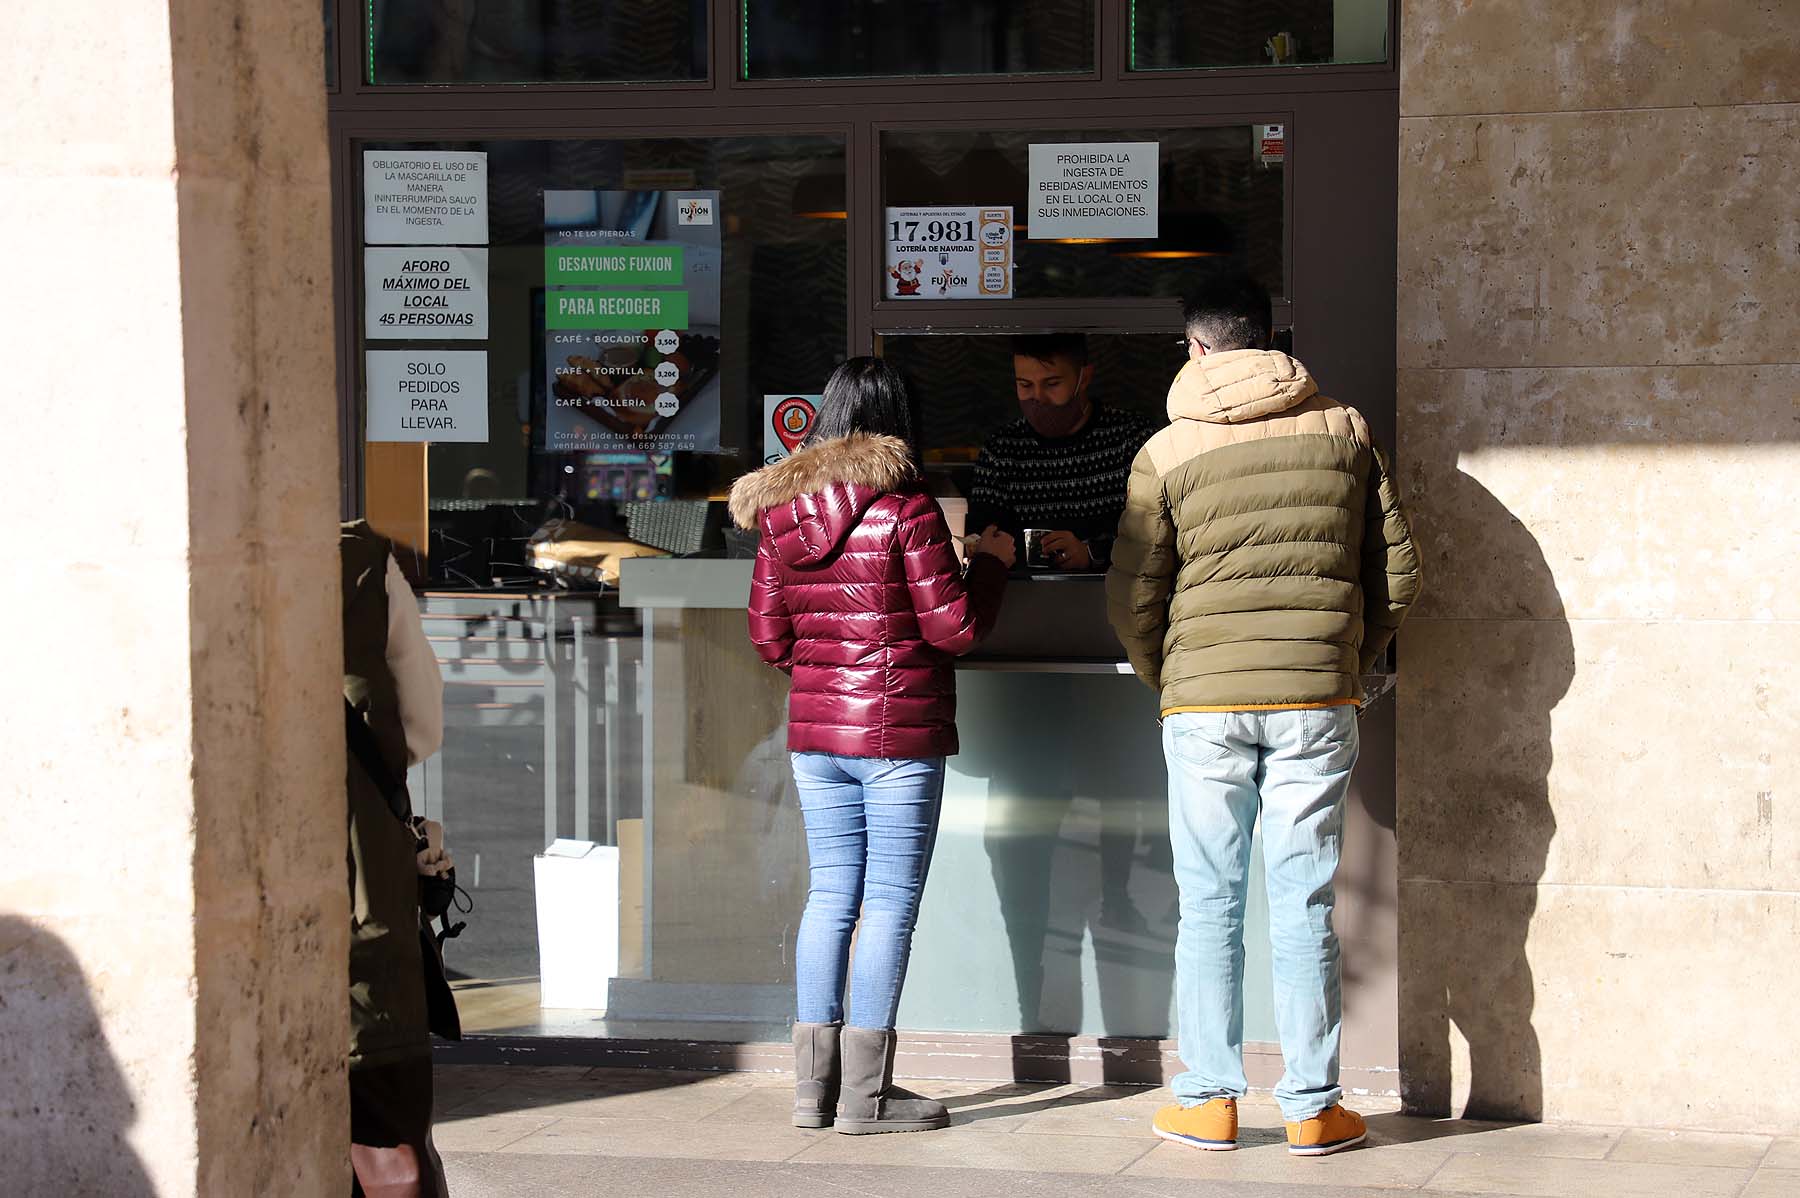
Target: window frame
859 111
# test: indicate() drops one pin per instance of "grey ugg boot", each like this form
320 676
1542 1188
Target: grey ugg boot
870 1101
815 1073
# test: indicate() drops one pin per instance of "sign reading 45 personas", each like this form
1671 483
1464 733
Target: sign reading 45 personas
437 293
425 198
949 253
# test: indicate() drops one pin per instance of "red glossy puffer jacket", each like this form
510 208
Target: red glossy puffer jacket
857 594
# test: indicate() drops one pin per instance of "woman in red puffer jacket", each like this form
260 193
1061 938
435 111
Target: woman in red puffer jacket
857 595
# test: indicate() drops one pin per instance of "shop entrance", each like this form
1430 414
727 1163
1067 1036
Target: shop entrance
625 273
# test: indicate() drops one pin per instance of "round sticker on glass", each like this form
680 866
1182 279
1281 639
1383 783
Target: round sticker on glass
993 279
668 374
667 404
668 341
995 233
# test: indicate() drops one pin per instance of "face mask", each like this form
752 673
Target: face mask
1049 420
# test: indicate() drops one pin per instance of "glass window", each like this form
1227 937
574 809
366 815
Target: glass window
331 78
1171 35
562 407
964 386
836 39
535 41
1221 192
548 675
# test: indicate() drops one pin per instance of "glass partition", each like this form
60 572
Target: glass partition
964 383
572 430
618 320
535 41
1221 192
835 39
1173 35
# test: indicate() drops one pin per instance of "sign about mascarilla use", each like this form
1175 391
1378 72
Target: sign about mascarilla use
1094 189
425 198
435 293
427 394
950 253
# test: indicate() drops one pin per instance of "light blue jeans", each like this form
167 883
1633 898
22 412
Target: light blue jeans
1294 768
870 828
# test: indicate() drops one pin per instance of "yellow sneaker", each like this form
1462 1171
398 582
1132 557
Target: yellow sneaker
1331 1130
1212 1125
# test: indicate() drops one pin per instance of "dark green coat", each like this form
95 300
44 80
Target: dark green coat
1263 560
387 990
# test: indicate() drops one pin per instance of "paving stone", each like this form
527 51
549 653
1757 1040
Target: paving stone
1773 1183
1271 1162
1544 1177
1692 1148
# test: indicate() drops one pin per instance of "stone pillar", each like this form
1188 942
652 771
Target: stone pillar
173 1009
1599 316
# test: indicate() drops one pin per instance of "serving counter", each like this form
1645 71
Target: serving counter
1051 906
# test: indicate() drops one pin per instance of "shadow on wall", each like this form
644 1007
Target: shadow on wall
66 1108
1475 821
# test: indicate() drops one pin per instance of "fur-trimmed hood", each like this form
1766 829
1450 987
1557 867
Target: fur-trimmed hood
808 503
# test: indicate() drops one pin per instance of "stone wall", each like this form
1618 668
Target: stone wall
173 1011
1599 351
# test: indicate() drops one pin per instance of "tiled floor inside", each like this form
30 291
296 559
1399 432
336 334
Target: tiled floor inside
509 1131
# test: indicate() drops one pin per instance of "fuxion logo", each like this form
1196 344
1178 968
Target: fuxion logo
695 211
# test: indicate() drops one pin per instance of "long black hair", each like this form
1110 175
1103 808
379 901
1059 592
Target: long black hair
864 395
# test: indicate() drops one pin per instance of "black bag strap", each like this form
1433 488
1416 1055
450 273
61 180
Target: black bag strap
362 745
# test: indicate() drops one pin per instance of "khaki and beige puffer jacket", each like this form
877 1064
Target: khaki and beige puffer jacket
1263 561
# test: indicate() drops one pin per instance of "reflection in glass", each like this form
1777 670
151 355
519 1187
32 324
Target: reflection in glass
535 41
1051 908
572 716
1219 195
1169 35
826 39
493 502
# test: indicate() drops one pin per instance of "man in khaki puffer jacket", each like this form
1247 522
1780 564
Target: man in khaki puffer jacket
1262 565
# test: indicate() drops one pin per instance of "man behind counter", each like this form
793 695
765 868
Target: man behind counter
1063 465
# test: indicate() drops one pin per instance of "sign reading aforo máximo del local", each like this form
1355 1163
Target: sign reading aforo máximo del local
432 293
1094 189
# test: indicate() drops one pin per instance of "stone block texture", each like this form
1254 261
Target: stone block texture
1599 439
172 900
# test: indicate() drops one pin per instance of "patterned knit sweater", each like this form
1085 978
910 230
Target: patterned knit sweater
1074 483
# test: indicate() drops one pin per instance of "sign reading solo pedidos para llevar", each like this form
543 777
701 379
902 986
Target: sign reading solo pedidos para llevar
1094 189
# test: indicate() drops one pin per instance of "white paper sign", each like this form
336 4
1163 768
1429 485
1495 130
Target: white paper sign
435 293
1094 189
425 198
427 394
787 421
949 253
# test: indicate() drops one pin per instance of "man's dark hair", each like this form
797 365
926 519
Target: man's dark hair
864 395
1047 347
1228 310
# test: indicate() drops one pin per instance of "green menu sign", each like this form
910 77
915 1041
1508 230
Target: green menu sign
616 309
631 321
613 266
